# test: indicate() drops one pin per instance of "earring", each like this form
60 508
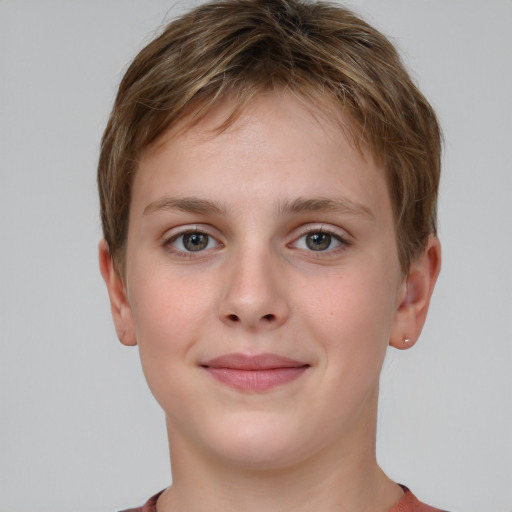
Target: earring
407 340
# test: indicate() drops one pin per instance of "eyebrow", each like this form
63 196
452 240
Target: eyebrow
186 204
325 204
297 206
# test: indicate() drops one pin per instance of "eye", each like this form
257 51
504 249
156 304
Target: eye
319 241
192 241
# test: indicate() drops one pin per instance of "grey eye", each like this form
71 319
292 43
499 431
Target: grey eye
195 241
318 241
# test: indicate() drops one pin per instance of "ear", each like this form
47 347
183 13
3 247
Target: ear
120 307
414 296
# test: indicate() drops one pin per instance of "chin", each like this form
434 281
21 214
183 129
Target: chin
257 443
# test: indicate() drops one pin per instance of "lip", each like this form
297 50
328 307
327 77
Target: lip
255 373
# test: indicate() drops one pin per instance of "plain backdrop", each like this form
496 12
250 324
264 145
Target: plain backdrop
79 431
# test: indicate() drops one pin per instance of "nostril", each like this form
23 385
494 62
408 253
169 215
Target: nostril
270 317
233 318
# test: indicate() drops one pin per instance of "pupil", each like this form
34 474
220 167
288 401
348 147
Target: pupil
195 241
318 241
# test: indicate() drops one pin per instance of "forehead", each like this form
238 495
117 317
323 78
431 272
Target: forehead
278 145
205 121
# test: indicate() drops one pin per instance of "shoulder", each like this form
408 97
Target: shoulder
409 503
149 506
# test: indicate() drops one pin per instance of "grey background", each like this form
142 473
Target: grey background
78 429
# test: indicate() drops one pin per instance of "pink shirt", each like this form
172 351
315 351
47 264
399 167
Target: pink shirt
408 503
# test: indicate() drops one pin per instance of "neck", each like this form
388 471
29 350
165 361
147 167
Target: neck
339 478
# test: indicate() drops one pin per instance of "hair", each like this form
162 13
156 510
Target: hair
237 49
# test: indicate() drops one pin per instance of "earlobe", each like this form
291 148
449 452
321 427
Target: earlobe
414 296
119 305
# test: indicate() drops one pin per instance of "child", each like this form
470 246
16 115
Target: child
268 183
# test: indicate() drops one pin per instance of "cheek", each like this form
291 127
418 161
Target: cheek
169 318
349 319
352 317
168 308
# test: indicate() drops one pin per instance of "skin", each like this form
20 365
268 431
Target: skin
258 287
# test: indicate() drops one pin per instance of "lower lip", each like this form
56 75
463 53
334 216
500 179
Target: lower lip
256 380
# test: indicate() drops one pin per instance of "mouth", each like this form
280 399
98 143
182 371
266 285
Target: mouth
254 373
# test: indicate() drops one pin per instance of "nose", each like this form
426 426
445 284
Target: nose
254 295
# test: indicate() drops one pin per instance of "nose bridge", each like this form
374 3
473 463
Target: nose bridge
253 295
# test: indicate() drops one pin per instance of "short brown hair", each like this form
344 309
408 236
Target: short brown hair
240 48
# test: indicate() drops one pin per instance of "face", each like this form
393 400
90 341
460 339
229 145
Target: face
262 285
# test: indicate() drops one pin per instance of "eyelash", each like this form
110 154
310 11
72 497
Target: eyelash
343 243
168 243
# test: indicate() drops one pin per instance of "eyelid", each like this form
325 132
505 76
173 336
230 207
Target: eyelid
174 234
339 234
177 231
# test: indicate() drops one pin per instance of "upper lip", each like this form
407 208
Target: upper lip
252 362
